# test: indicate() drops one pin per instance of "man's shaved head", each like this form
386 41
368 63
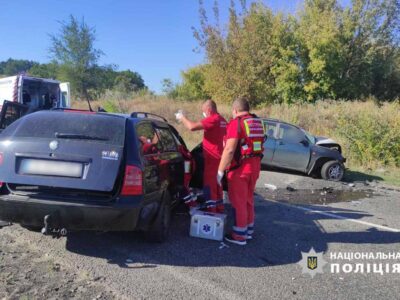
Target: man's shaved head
209 108
241 104
210 105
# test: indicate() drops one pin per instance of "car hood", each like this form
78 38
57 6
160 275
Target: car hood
320 140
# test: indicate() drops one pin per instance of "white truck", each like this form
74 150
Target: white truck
22 94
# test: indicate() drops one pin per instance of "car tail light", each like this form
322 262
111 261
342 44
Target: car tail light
133 181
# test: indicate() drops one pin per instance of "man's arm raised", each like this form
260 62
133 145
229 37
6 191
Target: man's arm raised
192 126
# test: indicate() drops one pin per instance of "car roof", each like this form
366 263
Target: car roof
80 111
283 122
135 116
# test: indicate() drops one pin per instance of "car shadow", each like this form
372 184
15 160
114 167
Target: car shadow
352 176
282 233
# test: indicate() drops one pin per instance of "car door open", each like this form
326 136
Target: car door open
292 151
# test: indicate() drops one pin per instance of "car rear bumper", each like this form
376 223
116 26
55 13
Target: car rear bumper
72 216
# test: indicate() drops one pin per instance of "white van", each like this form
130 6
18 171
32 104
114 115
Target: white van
22 94
34 92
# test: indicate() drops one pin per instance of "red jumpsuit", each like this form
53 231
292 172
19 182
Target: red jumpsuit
214 132
241 186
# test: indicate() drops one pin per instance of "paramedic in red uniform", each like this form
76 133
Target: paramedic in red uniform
214 126
242 158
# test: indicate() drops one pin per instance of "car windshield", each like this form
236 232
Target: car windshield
309 136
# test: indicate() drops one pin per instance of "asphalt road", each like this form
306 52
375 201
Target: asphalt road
288 222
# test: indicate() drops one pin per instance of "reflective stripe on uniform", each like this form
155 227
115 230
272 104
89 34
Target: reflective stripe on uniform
256 135
242 231
254 127
257 146
250 228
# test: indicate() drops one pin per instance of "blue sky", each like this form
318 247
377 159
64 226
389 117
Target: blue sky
151 37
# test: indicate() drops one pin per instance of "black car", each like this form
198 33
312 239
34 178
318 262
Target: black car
80 170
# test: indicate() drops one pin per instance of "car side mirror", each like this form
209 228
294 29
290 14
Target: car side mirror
305 143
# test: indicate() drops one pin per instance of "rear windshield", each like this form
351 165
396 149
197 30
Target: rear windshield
70 125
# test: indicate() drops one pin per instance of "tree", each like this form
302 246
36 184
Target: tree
49 70
349 52
169 88
73 48
372 30
256 57
15 66
128 81
319 36
193 84
324 51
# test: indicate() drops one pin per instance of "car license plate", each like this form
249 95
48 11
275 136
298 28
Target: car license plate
50 168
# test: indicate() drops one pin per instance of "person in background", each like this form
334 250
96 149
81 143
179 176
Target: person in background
214 127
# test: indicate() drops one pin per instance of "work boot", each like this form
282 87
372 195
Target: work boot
231 239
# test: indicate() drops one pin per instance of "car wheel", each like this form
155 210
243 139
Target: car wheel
159 230
332 170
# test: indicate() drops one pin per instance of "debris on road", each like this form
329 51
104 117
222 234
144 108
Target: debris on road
270 186
223 245
328 190
290 189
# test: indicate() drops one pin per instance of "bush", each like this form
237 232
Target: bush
372 136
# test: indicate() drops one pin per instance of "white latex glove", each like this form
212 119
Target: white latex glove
220 175
179 115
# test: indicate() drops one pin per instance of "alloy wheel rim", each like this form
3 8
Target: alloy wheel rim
335 172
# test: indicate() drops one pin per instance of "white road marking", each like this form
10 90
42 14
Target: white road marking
328 214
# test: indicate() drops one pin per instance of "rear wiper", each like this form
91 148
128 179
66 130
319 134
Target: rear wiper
79 136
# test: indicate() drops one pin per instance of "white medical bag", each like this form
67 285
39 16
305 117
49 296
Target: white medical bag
207 225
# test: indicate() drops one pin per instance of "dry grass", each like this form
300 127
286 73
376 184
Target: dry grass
157 105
